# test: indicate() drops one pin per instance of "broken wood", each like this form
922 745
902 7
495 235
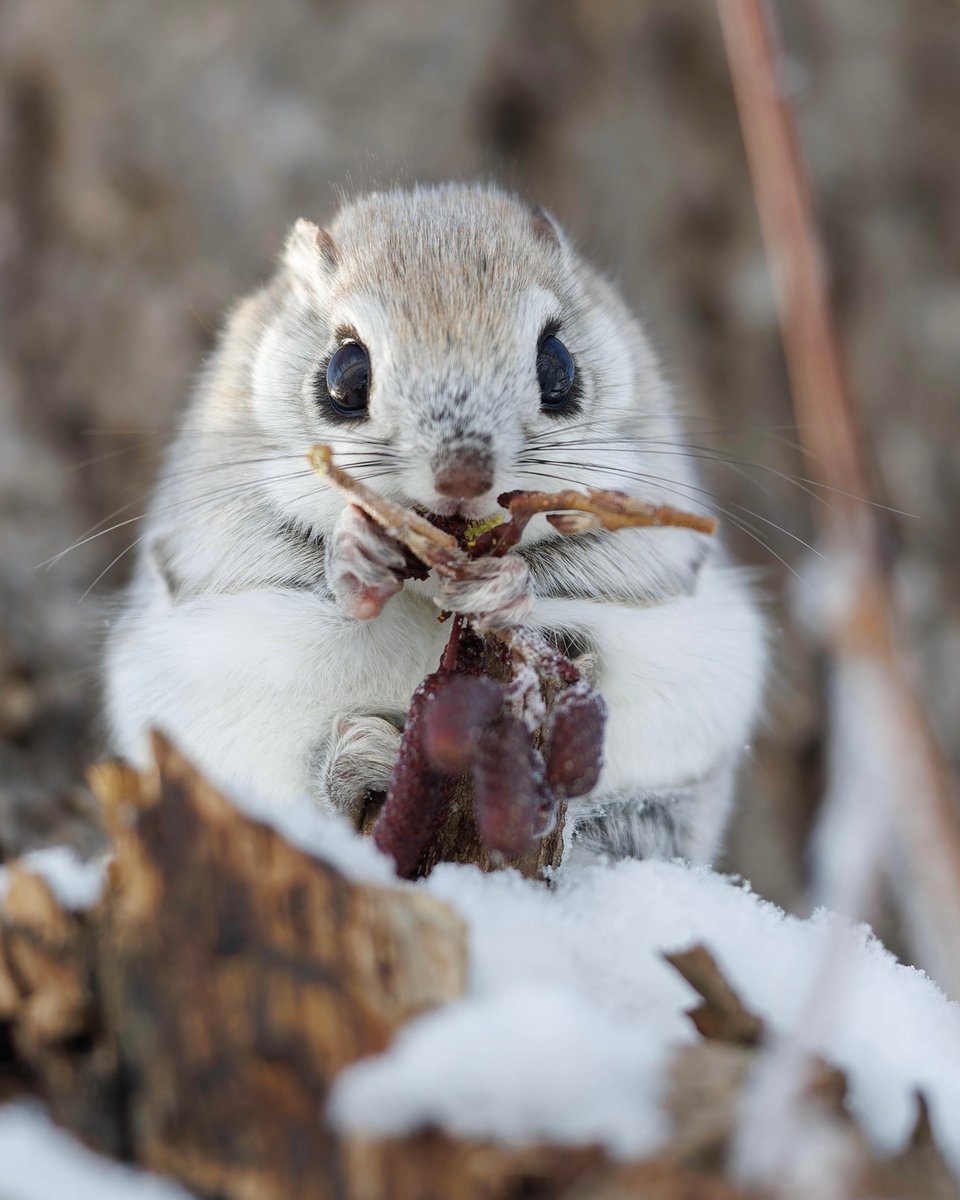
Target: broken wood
194 1019
222 982
722 1016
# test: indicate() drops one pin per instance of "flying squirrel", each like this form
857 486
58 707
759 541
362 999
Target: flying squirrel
449 345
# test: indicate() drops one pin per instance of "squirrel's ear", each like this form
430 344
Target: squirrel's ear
545 228
310 252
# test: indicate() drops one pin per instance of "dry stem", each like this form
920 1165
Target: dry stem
600 509
927 819
431 545
862 635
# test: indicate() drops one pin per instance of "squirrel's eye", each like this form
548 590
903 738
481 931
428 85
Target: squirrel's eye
348 380
556 373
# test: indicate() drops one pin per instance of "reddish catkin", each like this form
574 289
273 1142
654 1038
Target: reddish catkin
418 795
574 750
513 803
453 721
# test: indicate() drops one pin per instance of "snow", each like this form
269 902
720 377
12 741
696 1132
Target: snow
38 1161
75 882
528 1061
850 850
572 1011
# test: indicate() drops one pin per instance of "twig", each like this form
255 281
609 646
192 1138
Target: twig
569 512
861 631
431 545
927 819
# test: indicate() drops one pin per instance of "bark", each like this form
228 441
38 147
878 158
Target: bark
204 1007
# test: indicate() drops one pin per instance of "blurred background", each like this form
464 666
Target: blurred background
153 154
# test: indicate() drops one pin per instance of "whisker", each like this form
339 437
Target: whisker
739 465
93 533
110 565
212 497
229 464
168 434
96 459
702 493
233 463
103 527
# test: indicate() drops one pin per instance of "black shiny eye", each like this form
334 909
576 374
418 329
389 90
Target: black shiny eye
348 380
557 375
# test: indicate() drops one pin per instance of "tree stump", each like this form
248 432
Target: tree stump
194 1020
203 1008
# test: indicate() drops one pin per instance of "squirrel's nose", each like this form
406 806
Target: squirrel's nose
463 480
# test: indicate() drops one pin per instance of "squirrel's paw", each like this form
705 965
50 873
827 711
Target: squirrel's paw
497 593
363 565
360 760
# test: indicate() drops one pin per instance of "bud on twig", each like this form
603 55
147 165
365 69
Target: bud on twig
513 802
464 705
575 741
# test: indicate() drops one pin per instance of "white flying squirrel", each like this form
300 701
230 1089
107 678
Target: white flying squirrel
449 344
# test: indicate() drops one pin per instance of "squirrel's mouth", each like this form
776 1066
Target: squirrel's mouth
457 524
467 511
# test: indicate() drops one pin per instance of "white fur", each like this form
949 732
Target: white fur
240 637
251 684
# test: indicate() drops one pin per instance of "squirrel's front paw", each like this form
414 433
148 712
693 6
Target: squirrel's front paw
496 592
360 760
363 565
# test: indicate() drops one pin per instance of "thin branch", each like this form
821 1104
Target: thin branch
894 788
926 816
570 513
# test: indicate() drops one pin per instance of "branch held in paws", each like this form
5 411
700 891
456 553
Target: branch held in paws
462 720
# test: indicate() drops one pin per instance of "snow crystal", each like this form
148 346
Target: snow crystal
38 1161
572 1011
76 882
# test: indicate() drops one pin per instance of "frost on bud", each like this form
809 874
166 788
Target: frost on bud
454 718
575 741
514 805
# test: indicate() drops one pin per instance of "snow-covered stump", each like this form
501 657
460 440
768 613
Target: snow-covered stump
258 1009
